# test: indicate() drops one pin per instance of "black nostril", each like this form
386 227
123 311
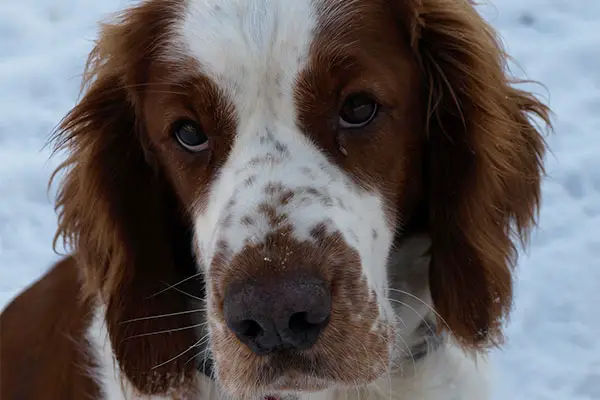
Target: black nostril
305 328
299 323
302 322
249 328
276 314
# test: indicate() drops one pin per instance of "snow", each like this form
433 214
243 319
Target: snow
552 351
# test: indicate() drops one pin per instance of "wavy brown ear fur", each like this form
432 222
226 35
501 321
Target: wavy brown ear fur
484 165
119 213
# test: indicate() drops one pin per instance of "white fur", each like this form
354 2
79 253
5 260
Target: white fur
447 374
114 385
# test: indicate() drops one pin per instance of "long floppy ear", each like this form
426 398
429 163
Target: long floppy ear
117 211
484 166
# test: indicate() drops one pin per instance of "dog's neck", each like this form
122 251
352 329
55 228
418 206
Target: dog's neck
411 299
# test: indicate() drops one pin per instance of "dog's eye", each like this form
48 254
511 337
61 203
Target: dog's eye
190 135
357 111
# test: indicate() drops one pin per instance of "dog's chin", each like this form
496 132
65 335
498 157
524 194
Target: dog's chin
286 387
296 383
283 388
290 383
278 386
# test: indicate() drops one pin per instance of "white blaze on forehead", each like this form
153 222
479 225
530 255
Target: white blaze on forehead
254 51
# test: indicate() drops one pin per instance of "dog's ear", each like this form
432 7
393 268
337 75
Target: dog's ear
120 215
484 165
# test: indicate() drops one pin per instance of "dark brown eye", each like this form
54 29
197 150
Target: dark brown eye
190 135
358 111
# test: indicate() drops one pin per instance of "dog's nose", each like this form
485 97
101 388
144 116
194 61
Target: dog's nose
275 314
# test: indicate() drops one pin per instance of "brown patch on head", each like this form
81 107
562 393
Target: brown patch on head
360 48
192 96
452 144
129 187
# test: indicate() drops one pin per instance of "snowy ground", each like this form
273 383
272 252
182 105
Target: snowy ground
553 351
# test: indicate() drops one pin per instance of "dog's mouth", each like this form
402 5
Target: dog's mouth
294 371
290 385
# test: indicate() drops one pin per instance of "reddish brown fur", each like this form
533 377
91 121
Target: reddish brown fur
469 151
484 165
456 136
42 343
123 219
367 51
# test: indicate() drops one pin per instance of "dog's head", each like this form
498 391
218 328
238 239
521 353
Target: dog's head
279 151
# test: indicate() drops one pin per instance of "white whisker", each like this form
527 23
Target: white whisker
175 284
162 316
166 331
188 294
205 351
198 343
416 312
427 305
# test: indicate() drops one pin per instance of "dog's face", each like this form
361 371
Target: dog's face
296 142
299 139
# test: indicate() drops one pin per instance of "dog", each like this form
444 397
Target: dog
272 199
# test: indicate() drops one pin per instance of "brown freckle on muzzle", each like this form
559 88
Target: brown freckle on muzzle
281 148
250 181
274 188
319 232
247 220
275 219
286 197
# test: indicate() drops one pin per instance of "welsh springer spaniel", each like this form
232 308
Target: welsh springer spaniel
283 199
